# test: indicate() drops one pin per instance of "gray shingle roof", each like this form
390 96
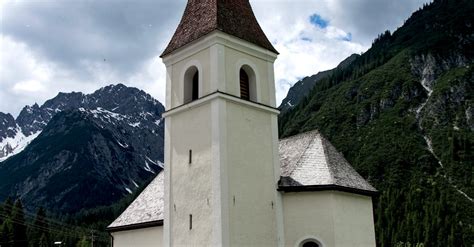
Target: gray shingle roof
147 207
307 160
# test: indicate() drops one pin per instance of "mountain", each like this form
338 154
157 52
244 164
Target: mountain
402 114
302 88
90 150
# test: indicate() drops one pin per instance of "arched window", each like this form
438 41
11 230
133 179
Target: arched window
191 85
244 85
248 84
310 242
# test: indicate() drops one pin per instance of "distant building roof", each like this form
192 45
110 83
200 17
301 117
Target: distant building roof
308 161
201 17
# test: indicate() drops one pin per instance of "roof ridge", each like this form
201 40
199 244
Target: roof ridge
326 158
308 161
301 157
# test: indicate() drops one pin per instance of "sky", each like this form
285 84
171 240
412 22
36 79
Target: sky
52 46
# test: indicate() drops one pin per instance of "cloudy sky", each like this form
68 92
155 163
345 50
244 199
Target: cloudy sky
51 46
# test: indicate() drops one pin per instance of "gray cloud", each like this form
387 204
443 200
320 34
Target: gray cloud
124 33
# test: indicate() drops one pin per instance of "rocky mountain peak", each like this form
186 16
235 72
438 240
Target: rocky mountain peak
117 99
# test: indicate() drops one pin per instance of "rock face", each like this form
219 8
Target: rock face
91 150
303 87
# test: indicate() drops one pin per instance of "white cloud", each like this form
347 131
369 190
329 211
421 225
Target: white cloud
30 86
304 48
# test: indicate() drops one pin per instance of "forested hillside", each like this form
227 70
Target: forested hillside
402 114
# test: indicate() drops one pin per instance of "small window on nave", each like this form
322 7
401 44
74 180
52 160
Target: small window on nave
310 244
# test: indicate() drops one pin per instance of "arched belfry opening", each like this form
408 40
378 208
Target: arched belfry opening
248 84
191 85
244 85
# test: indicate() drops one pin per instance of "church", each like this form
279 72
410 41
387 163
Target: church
228 180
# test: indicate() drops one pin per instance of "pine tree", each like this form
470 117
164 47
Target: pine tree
40 229
6 233
43 241
18 233
83 243
6 209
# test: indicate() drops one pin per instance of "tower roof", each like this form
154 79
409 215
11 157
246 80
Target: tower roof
234 17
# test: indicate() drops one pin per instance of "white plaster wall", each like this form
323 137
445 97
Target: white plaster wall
251 180
333 218
190 184
146 237
353 220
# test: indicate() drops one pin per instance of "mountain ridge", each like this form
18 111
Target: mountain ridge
302 87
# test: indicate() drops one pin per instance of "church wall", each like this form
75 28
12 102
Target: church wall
331 217
251 196
308 214
145 237
353 220
190 183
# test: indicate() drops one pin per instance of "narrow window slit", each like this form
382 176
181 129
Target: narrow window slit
190 156
190 222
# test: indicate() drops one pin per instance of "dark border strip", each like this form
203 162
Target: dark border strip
135 226
327 187
219 92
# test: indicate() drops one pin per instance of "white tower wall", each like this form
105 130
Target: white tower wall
230 187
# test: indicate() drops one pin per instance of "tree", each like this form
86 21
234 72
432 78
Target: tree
18 234
6 209
83 243
40 229
6 233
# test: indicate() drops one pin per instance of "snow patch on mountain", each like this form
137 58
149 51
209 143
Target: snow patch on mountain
148 168
17 143
134 125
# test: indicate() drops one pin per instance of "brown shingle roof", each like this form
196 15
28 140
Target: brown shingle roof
234 17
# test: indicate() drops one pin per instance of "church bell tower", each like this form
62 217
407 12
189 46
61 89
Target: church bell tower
221 134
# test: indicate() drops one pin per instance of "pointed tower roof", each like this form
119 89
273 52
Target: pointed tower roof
310 162
234 17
